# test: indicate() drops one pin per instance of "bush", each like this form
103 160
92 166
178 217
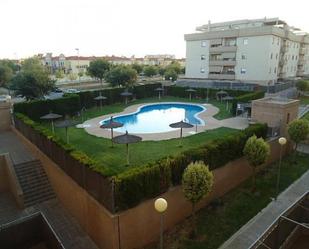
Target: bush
138 184
69 104
247 98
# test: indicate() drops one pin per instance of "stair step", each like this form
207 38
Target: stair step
31 178
34 184
32 188
30 172
38 193
29 169
32 201
27 164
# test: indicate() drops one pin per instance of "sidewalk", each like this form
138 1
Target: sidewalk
250 232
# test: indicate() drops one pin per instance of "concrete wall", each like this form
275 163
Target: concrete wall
194 64
138 226
5 115
274 113
4 185
262 58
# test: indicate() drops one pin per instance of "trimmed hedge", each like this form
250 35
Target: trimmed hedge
247 98
113 94
201 92
35 109
138 184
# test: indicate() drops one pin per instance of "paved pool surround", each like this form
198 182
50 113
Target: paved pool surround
92 126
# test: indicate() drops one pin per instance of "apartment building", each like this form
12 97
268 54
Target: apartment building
260 51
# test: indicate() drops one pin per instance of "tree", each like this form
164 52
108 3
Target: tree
121 75
174 66
138 68
150 71
197 181
302 85
98 68
298 131
33 80
256 151
6 74
170 74
161 70
59 74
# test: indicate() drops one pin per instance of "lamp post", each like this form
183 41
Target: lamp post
282 142
161 206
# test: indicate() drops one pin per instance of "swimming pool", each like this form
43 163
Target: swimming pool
156 118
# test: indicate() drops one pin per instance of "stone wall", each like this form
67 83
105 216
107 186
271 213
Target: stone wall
137 226
5 115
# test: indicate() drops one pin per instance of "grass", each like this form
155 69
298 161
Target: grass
304 100
222 218
140 153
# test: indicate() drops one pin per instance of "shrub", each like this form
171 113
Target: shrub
197 181
298 131
69 104
256 152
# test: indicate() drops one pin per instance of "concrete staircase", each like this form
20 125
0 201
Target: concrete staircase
34 182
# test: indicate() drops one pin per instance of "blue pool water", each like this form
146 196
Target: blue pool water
155 118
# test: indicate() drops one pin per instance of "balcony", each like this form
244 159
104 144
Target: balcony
221 49
221 76
222 62
302 51
301 61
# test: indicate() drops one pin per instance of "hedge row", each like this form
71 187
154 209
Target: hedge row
113 94
138 184
201 92
37 108
245 98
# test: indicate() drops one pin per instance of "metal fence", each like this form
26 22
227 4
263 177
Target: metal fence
97 185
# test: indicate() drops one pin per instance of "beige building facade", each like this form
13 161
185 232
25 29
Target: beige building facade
259 51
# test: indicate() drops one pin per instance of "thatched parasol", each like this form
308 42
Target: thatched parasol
181 125
190 91
111 125
66 124
221 94
100 98
127 139
159 90
51 116
126 94
227 99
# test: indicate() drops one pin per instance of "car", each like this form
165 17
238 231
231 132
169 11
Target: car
58 90
4 98
71 90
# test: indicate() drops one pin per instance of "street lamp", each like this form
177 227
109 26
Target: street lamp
161 206
282 142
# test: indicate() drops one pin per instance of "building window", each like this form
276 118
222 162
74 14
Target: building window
271 56
204 43
288 118
273 40
278 42
203 57
202 70
296 57
292 57
245 41
243 56
243 70
275 70
276 56
269 70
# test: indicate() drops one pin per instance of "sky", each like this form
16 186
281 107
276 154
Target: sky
124 27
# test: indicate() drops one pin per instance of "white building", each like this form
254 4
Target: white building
258 51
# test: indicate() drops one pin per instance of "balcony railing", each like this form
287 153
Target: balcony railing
222 49
222 76
231 62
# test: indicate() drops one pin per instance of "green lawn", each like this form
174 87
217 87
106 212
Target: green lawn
216 223
304 100
140 153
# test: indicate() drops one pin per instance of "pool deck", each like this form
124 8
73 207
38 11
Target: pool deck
92 125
